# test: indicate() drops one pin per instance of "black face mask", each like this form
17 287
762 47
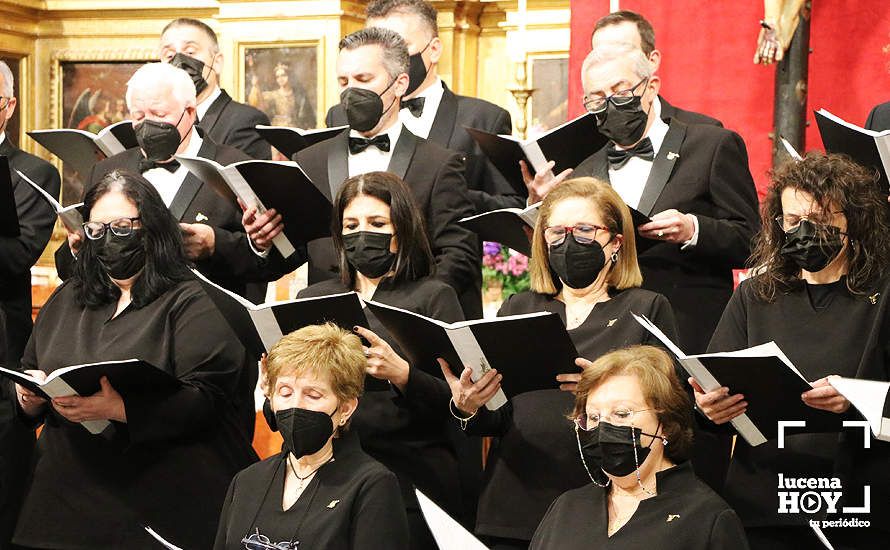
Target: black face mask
577 265
159 140
304 432
368 252
417 71
812 247
364 108
625 124
194 68
616 450
120 257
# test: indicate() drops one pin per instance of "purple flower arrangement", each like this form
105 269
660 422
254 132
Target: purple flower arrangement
505 268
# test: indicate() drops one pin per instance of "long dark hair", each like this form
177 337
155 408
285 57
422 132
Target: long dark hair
836 183
414 259
165 261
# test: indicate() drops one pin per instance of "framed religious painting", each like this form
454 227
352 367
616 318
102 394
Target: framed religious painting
285 81
89 93
549 75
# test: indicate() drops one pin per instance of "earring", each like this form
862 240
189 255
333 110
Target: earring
664 441
614 257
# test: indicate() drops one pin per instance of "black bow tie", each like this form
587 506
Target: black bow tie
145 165
359 144
619 157
414 105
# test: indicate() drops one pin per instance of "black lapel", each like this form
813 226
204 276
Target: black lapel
212 116
403 153
600 169
191 184
7 148
338 162
662 166
668 111
446 119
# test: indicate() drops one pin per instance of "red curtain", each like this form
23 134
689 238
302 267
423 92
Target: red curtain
707 48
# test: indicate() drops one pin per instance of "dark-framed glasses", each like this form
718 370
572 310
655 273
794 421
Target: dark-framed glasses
791 222
619 416
583 233
597 105
122 227
256 541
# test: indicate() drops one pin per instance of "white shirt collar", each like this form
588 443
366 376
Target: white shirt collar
656 133
204 106
2 137
194 145
421 126
656 104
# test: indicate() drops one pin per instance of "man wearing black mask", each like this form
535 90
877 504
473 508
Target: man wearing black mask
372 70
17 255
192 46
432 111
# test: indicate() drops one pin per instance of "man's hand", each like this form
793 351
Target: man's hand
262 228
542 182
198 239
669 226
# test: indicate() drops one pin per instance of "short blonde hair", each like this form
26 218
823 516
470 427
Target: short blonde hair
661 387
154 75
624 273
320 350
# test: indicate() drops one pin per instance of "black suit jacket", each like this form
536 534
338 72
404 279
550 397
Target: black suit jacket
879 117
232 264
701 170
489 190
228 122
669 112
18 254
435 177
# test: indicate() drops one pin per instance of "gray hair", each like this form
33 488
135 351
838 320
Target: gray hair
8 89
395 52
152 75
622 51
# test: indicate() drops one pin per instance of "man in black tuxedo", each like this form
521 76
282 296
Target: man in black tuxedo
631 28
192 45
17 255
373 63
430 110
879 117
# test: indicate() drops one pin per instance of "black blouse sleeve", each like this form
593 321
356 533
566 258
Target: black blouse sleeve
727 533
662 314
379 519
207 360
223 526
732 331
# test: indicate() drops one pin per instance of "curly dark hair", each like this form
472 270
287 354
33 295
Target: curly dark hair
836 183
165 260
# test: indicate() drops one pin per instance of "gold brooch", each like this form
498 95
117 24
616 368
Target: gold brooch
201 217
611 322
874 298
333 503
672 517
672 155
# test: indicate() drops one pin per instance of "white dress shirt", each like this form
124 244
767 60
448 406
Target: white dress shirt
421 126
204 106
373 159
2 137
168 183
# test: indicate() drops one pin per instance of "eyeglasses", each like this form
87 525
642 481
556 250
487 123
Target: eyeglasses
597 105
791 222
256 541
122 227
583 233
620 416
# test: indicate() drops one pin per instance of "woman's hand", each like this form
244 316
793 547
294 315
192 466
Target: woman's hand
31 403
542 182
569 382
824 396
261 228
383 362
718 405
468 396
106 404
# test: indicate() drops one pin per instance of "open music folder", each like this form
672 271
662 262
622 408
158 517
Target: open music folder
867 147
70 216
528 350
80 149
290 141
507 226
771 384
871 398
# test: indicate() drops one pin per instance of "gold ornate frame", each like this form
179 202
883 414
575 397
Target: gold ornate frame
320 62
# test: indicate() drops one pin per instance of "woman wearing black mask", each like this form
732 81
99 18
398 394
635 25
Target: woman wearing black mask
633 430
385 256
321 491
167 456
821 293
584 268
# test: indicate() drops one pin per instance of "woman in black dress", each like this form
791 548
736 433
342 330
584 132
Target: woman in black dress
167 457
633 428
322 490
821 293
385 256
584 268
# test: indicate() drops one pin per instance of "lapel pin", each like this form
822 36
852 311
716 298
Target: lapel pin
201 217
874 298
672 155
672 517
333 503
611 322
